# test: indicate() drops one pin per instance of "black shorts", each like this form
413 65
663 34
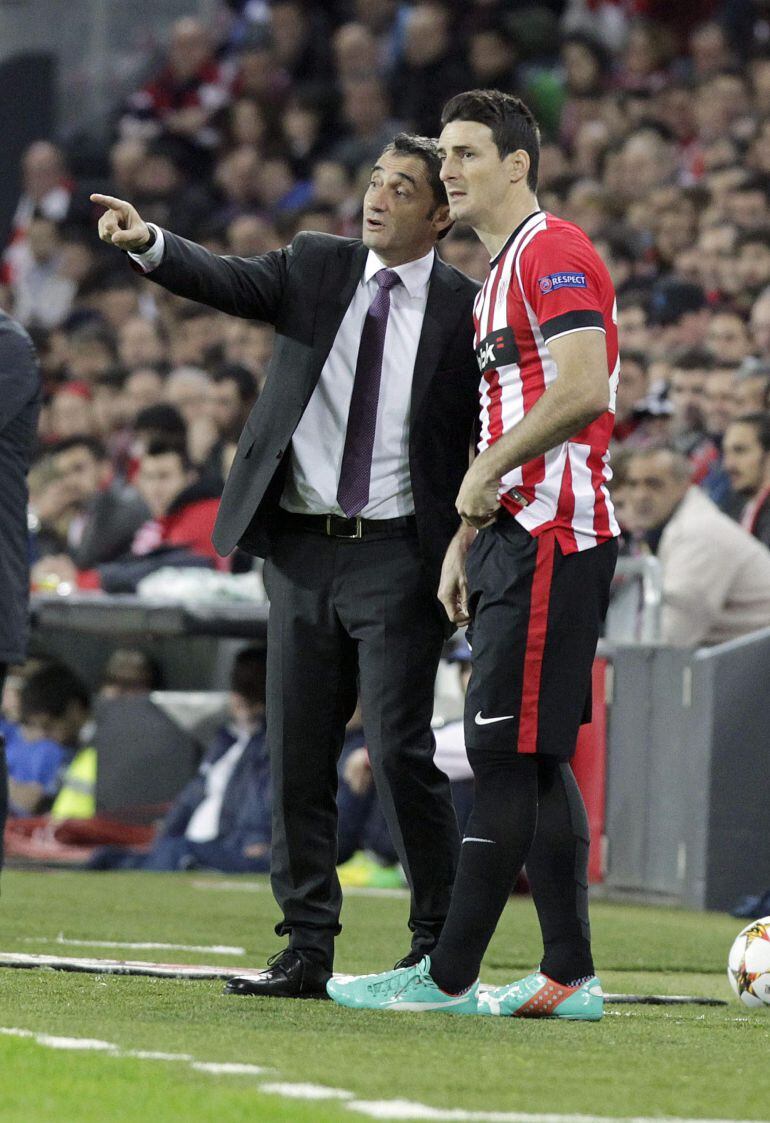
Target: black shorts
536 617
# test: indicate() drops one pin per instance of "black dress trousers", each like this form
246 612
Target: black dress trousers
349 616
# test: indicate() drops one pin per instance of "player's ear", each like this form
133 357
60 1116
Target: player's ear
518 165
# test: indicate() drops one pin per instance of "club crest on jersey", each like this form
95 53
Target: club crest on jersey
562 281
498 349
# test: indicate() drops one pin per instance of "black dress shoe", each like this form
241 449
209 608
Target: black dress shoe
288 975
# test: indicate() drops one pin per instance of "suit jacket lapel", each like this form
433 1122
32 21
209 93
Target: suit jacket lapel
446 304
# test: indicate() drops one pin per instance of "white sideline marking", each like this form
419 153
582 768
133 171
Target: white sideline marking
215 949
228 1068
403 1109
263 887
374 1109
153 1055
306 1091
75 1043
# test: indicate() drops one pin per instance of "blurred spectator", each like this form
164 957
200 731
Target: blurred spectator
181 100
716 577
631 393
129 672
746 450
183 509
727 337
752 387
103 514
686 393
142 388
141 343
431 68
466 252
300 41
233 394
54 706
366 113
71 412
189 391
221 819
759 324
46 191
42 293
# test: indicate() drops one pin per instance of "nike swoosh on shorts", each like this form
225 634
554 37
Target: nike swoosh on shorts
489 720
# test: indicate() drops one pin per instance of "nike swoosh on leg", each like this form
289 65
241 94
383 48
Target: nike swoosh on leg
489 720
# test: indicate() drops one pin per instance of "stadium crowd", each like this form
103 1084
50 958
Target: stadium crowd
656 141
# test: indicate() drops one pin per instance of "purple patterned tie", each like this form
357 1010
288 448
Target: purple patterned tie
356 470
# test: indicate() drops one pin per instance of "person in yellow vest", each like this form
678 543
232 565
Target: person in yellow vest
77 794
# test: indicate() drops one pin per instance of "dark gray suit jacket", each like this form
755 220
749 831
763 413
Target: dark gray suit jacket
19 407
304 290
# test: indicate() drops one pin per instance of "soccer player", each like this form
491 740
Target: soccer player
530 570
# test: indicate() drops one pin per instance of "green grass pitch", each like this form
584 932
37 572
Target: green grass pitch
640 1061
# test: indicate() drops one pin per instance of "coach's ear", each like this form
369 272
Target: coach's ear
518 165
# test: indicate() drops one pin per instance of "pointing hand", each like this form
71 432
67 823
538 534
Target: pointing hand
121 224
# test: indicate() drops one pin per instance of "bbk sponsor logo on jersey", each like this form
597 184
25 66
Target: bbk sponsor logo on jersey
562 281
498 349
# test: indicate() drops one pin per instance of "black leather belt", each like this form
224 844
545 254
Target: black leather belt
336 526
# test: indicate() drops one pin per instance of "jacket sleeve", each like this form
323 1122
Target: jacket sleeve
251 287
19 371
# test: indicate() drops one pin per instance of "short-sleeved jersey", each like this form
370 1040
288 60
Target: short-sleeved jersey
546 282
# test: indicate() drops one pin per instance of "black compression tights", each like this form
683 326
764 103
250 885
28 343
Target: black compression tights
529 810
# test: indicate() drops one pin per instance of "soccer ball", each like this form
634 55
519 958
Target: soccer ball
748 965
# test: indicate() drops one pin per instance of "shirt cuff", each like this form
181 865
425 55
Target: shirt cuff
152 258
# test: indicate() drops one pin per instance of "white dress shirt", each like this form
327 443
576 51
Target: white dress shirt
319 439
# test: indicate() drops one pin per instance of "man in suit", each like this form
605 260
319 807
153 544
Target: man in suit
20 398
344 480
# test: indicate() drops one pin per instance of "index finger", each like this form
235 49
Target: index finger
110 201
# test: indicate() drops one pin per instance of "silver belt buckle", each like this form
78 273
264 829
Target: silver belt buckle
331 533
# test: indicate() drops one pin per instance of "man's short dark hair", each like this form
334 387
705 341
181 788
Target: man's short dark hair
247 677
425 148
161 418
241 376
80 440
759 237
511 122
634 356
760 423
168 446
50 690
694 358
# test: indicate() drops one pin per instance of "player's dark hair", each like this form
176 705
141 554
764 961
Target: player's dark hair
425 148
760 423
511 122
50 690
80 440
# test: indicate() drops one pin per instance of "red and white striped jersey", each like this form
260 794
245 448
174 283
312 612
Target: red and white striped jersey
547 281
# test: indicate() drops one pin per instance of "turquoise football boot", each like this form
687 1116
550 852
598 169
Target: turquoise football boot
537 996
408 988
